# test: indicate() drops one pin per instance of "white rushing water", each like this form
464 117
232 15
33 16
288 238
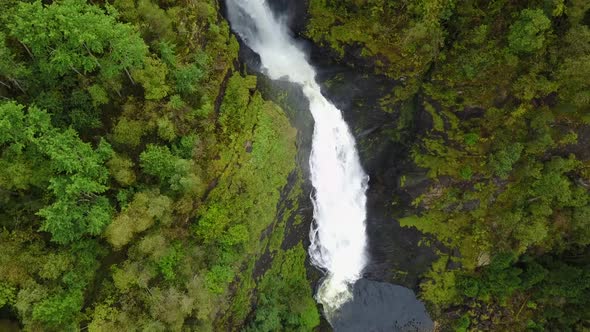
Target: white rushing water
338 237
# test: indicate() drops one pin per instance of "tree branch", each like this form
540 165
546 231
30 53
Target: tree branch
28 51
76 70
15 82
129 75
92 55
522 306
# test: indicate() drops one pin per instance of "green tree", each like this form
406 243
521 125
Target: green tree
503 160
575 89
129 132
7 294
153 79
121 169
158 161
284 302
59 309
142 213
527 34
99 45
10 69
180 174
76 173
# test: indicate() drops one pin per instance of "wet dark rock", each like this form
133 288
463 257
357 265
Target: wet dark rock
395 253
294 12
248 146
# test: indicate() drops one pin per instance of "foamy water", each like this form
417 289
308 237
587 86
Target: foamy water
338 236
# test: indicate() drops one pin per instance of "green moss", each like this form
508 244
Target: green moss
287 211
285 301
381 30
257 153
438 123
241 304
200 161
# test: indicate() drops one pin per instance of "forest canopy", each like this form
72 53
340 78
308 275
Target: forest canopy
504 85
128 199
148 183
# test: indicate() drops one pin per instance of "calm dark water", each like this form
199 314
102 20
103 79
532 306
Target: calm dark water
382 307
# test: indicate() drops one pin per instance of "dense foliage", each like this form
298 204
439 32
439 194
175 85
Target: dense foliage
505 86
139 172
143 178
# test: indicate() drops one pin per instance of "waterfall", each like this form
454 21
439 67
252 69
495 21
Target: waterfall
338 237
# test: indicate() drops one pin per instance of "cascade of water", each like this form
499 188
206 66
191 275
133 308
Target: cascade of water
338 237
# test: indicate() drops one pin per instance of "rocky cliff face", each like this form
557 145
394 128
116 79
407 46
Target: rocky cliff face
384 146
295 12
384 135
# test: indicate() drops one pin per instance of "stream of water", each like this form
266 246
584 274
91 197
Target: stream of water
338 236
